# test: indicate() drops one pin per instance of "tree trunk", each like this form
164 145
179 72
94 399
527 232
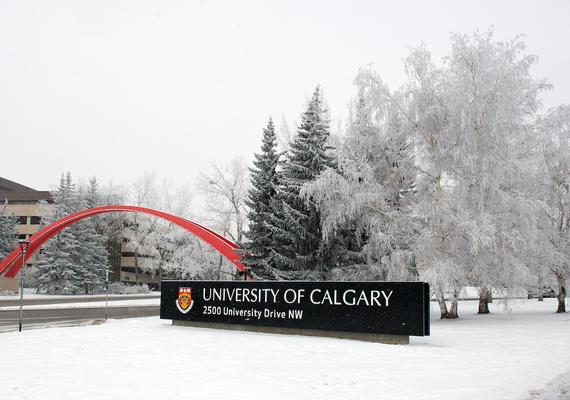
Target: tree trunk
444 313
454 304
489 295
442 306
160 275
561 292
540 286
483 301
220 263
136 267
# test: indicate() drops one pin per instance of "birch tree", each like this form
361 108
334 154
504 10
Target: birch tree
427 115
494 105
555 221
151 238
225 190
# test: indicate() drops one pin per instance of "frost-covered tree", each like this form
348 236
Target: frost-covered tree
225 191
493 102
472 122
75 260
555 217
191 259
145 192
296 225
93 257
58 270
256 252
426 114
7 231
151 238
365 202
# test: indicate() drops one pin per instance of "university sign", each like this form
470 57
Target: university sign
389 308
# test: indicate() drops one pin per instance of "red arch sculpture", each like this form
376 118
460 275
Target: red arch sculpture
12 263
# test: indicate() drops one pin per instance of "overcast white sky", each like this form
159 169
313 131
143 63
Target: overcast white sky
115 88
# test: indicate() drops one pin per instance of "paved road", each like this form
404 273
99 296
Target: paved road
61 316
74 299
73 316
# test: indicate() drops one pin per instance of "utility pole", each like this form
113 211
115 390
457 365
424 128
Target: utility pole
23 248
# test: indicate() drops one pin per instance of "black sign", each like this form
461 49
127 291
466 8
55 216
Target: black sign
395 308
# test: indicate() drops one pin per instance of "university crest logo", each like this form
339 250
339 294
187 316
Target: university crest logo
184 301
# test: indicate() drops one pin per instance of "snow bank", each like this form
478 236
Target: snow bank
505 355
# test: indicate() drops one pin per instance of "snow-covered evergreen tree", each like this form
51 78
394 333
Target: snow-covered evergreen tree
93 256
365 203
7 231
296 225
58 271
256 252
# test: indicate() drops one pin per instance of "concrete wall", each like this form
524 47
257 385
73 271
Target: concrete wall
366 337
8 284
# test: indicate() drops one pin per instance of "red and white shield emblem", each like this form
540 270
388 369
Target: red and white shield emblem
184 301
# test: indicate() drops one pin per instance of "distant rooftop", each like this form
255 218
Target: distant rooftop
15 192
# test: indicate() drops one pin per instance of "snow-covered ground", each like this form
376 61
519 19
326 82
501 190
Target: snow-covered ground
505 355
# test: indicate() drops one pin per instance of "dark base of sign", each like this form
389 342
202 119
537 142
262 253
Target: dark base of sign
366 337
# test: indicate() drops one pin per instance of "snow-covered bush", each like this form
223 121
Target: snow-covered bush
120 288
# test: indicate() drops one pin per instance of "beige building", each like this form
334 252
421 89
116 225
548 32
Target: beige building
30 206
27 204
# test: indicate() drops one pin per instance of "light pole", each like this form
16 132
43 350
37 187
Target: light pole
23 247
107 291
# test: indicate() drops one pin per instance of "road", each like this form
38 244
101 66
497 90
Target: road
62 316
34 301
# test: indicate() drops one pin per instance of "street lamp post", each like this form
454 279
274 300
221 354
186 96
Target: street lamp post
23 247
107 292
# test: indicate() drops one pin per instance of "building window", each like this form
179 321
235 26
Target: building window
128 254
22 237
22 220
35 220
126 278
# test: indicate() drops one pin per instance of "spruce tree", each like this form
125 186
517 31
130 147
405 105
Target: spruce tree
91 256
95 255
7 231
296 225
58 270
256 252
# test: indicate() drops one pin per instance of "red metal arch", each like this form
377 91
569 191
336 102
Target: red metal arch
12 263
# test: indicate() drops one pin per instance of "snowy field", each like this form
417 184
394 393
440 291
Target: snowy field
505 355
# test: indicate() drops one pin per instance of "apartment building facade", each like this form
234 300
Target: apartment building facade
30 206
